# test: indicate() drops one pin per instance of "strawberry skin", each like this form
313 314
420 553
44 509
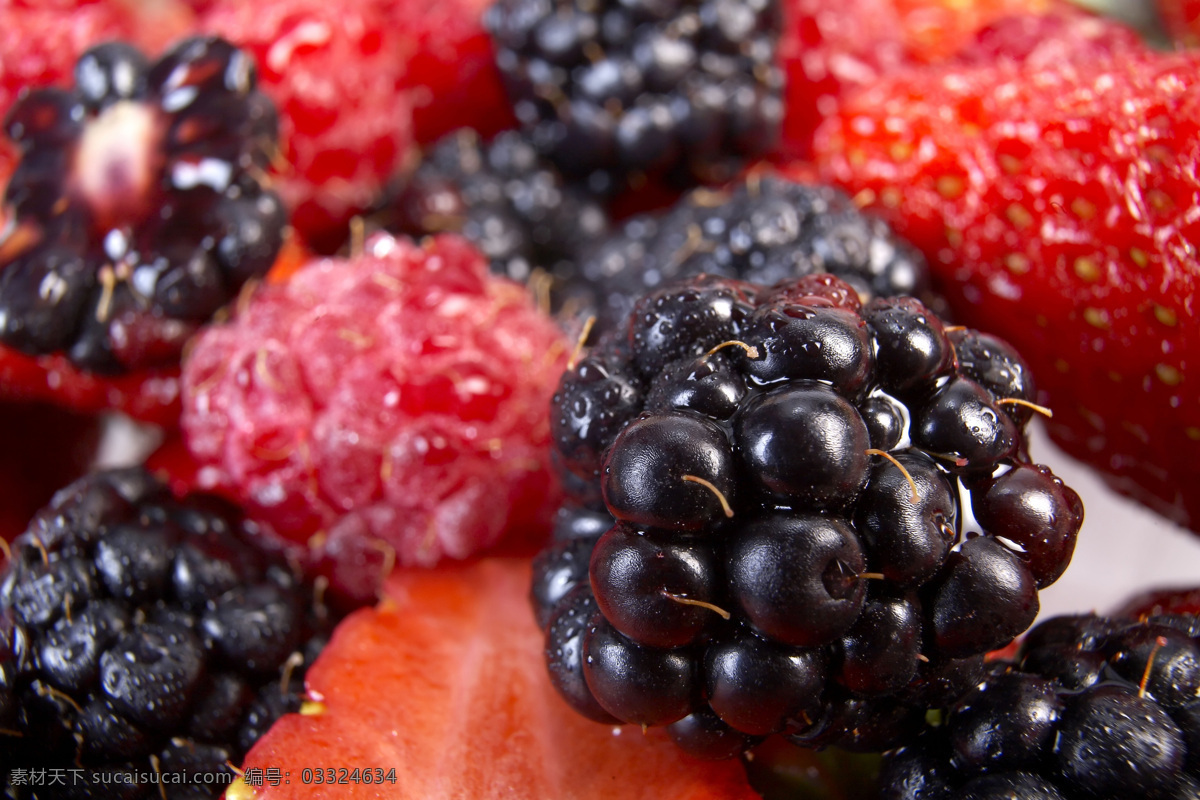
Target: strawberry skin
830 49
1181 18
1057 202
1161 601
444 682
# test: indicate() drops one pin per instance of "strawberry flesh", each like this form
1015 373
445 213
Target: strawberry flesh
443 683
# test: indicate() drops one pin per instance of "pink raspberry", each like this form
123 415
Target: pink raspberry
395 402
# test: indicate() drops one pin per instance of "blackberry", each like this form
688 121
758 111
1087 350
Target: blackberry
765 229
139 205
778 560
610 90
1092 707
144 633
503 196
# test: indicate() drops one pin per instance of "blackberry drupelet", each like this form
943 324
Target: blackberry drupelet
780 560
1093 707
139 206
143 633
612 90
503 196
765 229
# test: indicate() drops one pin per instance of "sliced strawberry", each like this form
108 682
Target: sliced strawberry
1056 201
443 688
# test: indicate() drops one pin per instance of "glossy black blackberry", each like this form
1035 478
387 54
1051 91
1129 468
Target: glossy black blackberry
788 552
142 630
764 230
1092 708
503 196
139 205
612 89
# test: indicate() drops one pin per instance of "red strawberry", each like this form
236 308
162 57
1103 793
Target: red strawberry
1056 200
1182 20
396 403
830 49
334 72
1044 40
938 29
441 692
1161 601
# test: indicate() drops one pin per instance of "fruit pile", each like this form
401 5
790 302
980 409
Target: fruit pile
531 372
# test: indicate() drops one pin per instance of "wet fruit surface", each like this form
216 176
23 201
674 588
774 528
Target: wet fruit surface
768 568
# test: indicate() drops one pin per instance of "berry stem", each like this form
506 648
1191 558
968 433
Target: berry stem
320 586
108 284
540 283
156 765
389 554
41 550
1018 401
695 243
583 337
296 659
1159 641
358 236
44 690
687 601
916 497
708 485
750 349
